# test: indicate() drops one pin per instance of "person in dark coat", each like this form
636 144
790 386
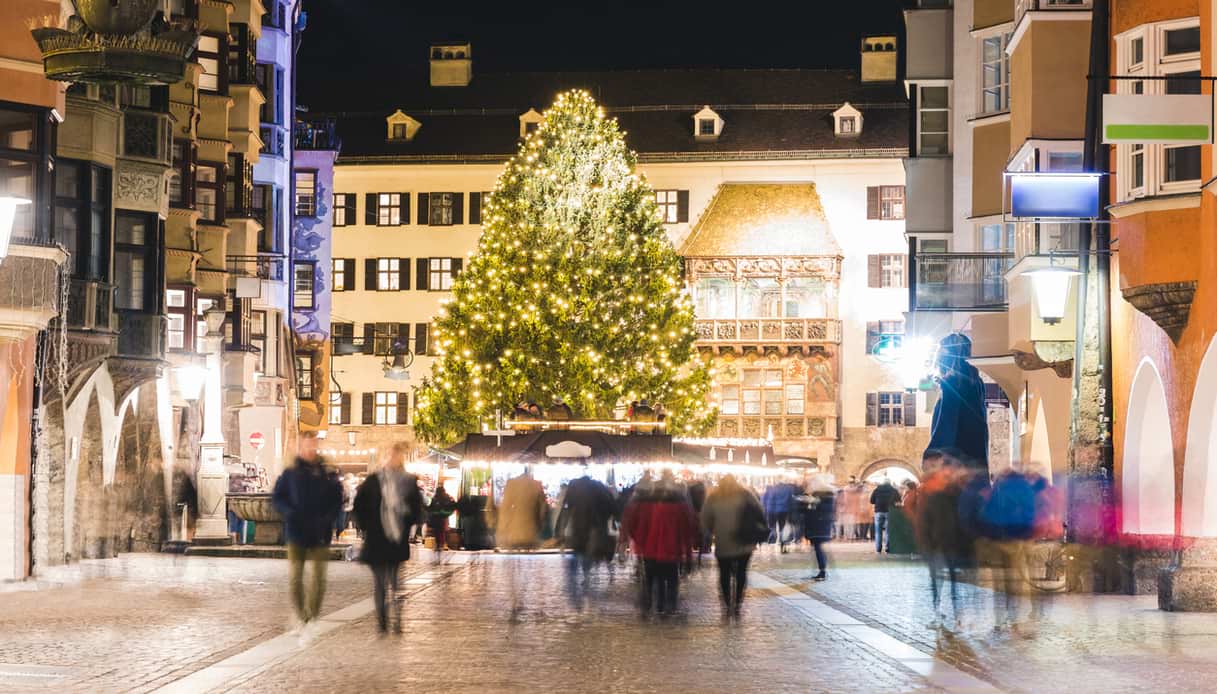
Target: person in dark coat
441 507
662 528
308 495
587 507
819 520
386 505
883 498
960 427
941 536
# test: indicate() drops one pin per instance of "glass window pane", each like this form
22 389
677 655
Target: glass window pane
17 130
1182 164
1184 86
934 97
1180 41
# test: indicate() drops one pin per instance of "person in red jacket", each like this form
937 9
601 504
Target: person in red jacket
663 529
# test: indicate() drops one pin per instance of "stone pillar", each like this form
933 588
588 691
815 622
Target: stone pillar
1189 583
212 484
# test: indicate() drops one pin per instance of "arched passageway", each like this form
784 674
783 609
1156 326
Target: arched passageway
1200 458
1148 477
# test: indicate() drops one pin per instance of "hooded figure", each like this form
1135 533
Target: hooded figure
960 428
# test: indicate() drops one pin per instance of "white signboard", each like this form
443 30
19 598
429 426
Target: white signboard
1158 119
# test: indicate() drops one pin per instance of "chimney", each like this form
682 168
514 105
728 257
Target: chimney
452 64
878 59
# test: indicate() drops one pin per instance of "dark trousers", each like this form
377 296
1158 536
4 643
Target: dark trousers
659 585
384 581
733 579
817 544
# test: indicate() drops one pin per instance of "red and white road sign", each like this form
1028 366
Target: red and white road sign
257 440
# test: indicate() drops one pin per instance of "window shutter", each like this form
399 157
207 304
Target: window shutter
458 208
872 202
403 274
369 209
872 336
369 408
420 282
424 202
345 412
475 208
420 338
348 269
874 273
872 409
910 409
369 338
403 335
458 264
404 217
682 205
369 274
403 408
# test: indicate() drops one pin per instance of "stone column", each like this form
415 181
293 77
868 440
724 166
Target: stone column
1189 583
212 483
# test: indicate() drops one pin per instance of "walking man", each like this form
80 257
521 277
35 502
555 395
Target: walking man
308 495
386 505
732 515
882 499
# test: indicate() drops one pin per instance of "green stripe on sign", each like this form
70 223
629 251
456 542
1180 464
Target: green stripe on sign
1158 132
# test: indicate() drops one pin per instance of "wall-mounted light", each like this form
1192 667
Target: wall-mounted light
8 217
189 380
215 317
351 439
1051 286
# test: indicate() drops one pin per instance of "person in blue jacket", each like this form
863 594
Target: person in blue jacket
779 501
309 496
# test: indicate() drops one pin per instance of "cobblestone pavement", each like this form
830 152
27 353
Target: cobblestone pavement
1058 643
146 621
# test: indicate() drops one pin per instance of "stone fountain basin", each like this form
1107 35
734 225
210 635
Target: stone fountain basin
257 507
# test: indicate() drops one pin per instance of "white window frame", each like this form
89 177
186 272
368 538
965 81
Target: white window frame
892 270
668 202
894 411
335 407
388 209
441 209
388 274
1003 64
338 275
340 210
385 408
1153 64
176 329
310 291
439 274
921 108
729 399
306 193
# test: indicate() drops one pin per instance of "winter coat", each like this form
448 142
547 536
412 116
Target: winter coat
820 518
938 527
960 426
662 526
587 508
778 498
521 512
309 497
1009 512
377 548
441 506
722 516
884 496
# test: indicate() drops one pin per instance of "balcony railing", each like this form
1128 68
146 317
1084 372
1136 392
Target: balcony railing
776 425
767 330
960 281
1022 7
147 135
142 335
1045 238
264 267
317 134
273 139
90 305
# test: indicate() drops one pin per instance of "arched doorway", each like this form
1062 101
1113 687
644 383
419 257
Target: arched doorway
896 471
1148 486
1200 459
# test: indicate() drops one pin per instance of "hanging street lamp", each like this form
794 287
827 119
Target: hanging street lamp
1051 285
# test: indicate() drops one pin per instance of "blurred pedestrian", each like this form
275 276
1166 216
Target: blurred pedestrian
587 509
778 501
308 495
882 499
662 529
385 506
438 512
697 497
521 515
736 520
819 518
941 537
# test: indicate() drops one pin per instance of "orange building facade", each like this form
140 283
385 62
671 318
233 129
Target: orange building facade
1164 312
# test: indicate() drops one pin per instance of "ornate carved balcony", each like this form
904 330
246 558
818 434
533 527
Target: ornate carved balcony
141 335
767 331
90 306
775 426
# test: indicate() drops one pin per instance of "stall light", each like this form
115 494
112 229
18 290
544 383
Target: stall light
8 217
1051 286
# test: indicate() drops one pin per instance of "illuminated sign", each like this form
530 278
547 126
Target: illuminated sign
1054 195
1158 119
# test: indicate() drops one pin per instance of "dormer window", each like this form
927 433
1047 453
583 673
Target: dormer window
847 121
707 125
530 120
401 128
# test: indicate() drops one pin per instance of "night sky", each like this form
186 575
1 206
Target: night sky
355 44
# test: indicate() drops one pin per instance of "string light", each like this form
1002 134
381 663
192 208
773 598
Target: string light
574 292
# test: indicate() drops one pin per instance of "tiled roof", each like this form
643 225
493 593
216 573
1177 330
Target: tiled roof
770 113
751 219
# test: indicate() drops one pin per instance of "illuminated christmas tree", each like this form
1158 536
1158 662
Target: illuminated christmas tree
574 294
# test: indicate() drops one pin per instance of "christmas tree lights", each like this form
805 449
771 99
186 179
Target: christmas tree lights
574 294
